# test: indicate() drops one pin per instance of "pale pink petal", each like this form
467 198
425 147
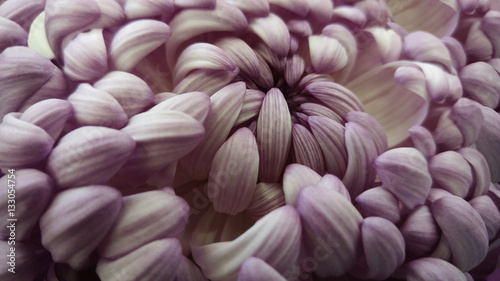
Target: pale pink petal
433 269
273 31
378 202
451 172
255 269
86 57
135 9
327 54
50 115
423 141
306 149
297 176
194 104
420 232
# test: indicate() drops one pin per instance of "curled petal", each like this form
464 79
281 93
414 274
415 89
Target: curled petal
274 130
457 52
481 83
242 54
490 23
27 262
274 239
423 141
420 232
468 117
327 54
22 12
331 227
452 172
352 14
225 108
266 198
193 4
234 172
447 134
317 109
403 172
135 40
194 104
333 182
135 9
11 34
158 260
478 46
255 269
306 149
297 176
37 37
50 115
33 193
85 57
481 171
425 47
371 125
300 7
378 202
23 144
320 10
93 107
206 81
153 215
294 69
251 106
273 31
383 249
432 269
488 140
131 92
464 229
487 209
89 155
77 220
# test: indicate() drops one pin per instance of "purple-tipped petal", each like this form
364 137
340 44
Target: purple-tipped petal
135 40
425 269
481 171
11 34
378 202
255 269
194 104
135 9
152 215
225 108
158 260
50 115
274 131
89 155
451 172
403 172
85 57
33 190
93 107
425 47
251 106
331 224
234 172
464 229
423 141
274 239
487 209
420 232
330 137
23 144
131 92
297 176
383 249
327 54
266 198
162 137
273 31
481 83
306 149
77 220
487 142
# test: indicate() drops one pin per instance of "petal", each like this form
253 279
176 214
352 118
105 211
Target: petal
208 82
327 54
481 171
403 172
93 107
331 224
152 215
490 23
234 172
89 155
295 177
423 141
317 109
85 57
33 190
273 31
77 220
477 45
378 202
135 9
23 144
481 83
274 131
162 137
320 10
50 115
194 104
26 264
468 117
300 7
333 182
442 21
188 271
11 34
420 232
383 246
135 40
225 108
487 140
131 92
294 69
205 4
251 106
158 260
266 198
336 97
464 228
22 12
242 54
486 208
371 125
425 47
255 269
306 149
451 172
274 239
37 37
447 134
433 269
457 52
259 8
353 14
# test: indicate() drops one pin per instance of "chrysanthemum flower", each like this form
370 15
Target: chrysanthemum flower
250 140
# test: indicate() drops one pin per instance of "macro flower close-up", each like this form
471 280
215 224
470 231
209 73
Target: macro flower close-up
249 140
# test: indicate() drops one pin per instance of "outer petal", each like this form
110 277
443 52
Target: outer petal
420 232
433 269
378 202
144 218
11 34
403 171
50 115
468 117
487 209
371 125
480 169
274 239
481 83
85 57
27 264
77 220
274 130
273 31
243 55
251 106
327 54
452 172
464 229
194 104
135 9
487 142
255 269
297 176
331 224
234 172
423 141
22 12
89 155
425 47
